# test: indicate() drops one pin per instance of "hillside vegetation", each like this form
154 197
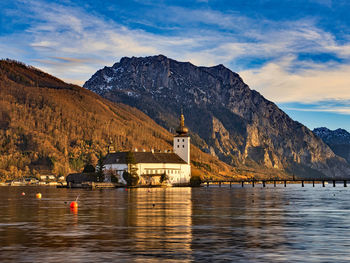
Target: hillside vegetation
50 127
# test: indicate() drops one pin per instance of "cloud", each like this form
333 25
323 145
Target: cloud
338 110
314 82
72 44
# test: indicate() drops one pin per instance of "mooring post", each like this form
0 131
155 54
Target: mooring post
230 184
285 183
263 183
207 184
333 183
302 183
253 183
242 184
313 183
274 183
345 183
219 184
322 183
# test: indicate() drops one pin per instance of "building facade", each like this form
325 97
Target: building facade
152 167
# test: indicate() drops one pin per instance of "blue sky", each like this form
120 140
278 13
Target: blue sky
294 52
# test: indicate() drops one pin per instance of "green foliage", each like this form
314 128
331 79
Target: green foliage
100 166
89 168
164 178
114 179
130 158
195 180
76 163
131 179
202 165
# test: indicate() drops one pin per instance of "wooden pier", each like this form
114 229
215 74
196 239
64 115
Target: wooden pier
276 181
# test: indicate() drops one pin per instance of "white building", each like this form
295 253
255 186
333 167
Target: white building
152 165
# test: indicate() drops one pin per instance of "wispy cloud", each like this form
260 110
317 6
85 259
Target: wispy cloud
72 44
313 83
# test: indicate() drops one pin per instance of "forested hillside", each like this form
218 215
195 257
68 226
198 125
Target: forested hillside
48 126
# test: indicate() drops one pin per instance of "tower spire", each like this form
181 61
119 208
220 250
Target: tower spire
182 129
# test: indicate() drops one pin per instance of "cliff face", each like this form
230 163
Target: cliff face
226 118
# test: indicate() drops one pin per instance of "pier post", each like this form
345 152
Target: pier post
302 183
333 183
242 184
219 184
253 183
274 183
345 183
285 183
322 183
230 184
207 184
263 183
313 183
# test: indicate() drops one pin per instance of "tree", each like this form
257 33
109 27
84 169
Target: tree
89 168
99 167
164 178
131 177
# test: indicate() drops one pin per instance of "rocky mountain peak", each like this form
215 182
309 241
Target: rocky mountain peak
225 117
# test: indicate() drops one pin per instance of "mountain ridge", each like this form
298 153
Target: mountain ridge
225 117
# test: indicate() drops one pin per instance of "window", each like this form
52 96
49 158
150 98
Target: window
178 140
183 140
178 146
183 146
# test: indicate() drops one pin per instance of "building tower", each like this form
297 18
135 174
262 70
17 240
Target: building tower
182 141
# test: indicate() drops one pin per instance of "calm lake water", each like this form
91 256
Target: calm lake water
292 224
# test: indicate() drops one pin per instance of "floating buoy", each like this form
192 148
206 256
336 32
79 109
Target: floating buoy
74 210
23 193
74 204
38 195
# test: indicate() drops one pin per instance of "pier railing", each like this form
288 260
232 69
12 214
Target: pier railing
276 181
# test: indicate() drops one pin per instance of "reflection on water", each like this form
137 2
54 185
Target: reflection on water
258 224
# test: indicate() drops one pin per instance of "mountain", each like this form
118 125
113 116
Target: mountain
50 127
338 140
225 117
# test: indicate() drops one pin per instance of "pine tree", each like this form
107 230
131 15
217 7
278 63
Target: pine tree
99 167
131 177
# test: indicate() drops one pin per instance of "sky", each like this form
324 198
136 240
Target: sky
296 53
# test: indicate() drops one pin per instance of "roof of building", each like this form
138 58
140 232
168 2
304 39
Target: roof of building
144 157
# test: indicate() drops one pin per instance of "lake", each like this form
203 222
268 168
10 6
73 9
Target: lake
220 224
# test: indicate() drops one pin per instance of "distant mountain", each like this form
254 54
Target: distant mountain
49 126
338 140
226 118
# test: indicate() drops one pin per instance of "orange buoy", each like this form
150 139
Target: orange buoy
74 204
74 210
38 195
23 193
